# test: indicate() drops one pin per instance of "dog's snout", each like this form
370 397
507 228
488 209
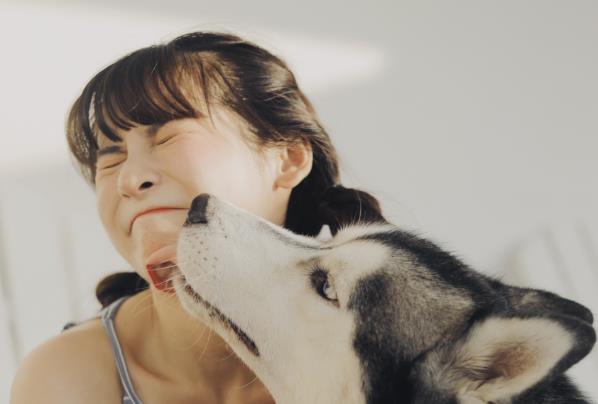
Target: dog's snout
197 213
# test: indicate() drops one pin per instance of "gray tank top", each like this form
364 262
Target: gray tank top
107 315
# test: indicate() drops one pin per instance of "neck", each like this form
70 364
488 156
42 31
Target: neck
173 346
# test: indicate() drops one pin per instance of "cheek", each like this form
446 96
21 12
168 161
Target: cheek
193 159
217 168
197 169
104 204
107 208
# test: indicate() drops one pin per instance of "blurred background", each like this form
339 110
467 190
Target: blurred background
473 122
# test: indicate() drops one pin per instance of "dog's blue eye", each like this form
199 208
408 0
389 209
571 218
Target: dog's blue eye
322 285
329 291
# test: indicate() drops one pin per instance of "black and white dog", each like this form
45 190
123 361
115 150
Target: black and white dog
373 315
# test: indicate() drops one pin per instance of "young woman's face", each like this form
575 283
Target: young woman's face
167 168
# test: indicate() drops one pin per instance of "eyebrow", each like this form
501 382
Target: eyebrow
151 131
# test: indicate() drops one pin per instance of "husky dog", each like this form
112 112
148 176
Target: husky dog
373 314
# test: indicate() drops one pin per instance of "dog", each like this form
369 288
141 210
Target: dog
373 314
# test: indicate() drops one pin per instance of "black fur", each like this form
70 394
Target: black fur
393 371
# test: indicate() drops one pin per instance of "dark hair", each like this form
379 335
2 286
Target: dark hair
182 79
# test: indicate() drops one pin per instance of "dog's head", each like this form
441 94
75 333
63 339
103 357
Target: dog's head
370 314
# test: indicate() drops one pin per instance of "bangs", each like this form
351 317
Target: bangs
146 87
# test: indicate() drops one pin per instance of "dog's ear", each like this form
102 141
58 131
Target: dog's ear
325 234
540 301
501 357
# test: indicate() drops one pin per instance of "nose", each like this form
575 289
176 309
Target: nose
197 213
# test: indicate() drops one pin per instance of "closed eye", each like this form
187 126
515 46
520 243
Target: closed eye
168 138
116 164
165 140
110 166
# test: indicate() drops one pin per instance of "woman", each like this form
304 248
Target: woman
206 112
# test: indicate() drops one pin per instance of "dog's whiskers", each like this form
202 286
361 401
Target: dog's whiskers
246 384
163 266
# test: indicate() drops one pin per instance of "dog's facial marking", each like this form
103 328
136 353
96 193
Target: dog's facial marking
348 260
450 269
419 306
359 230
214 313
412 306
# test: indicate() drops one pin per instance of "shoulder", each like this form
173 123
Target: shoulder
75 366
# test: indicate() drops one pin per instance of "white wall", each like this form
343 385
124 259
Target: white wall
474 122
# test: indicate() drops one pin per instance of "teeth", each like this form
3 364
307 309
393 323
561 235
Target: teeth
162 265
161 274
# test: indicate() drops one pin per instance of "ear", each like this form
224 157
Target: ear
295 163
325 234
540 301
501 357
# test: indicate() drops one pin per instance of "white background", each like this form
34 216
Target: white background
473 122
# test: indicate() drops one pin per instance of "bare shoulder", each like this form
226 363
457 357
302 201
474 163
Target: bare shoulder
73 367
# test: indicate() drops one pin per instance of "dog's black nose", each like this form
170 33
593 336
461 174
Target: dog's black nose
197 213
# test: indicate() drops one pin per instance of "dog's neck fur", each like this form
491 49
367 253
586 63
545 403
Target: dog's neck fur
333 380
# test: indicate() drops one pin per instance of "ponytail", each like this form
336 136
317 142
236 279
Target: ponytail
117 285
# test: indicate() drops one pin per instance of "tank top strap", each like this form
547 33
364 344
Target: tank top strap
108 315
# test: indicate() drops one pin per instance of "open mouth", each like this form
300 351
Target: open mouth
162 274
213 312
161 265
